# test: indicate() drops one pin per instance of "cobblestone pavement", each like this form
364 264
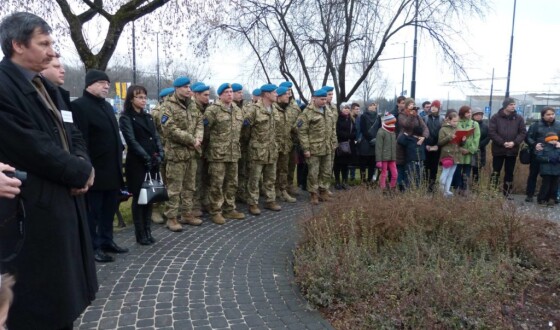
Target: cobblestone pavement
235 276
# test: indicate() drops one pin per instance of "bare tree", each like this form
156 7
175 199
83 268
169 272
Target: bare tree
78 17
314 43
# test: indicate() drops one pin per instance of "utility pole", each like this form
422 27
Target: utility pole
415 51
491 91
133 54
510 49
157 62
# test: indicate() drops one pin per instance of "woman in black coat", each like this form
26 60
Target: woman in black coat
144 153
345 133
366 148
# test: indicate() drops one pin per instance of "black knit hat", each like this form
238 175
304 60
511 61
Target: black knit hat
94 75
507 101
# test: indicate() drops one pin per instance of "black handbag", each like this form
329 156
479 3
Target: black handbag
373 131
152 190
525 155
344 148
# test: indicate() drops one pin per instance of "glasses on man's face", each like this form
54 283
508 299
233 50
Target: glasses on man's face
140 97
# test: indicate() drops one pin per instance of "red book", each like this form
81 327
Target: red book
460 133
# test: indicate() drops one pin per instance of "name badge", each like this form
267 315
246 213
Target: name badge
67 116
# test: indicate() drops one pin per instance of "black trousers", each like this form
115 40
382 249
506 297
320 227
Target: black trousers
508 163
340 170
549 188
367 163
534 169
102 206
431 168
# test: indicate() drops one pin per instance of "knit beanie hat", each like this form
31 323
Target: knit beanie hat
389 120
93 76
507 101
551 136
437 104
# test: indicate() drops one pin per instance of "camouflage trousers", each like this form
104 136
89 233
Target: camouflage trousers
319 175
201 185
222 187
292 162
282 168
243 174
268 172
181 177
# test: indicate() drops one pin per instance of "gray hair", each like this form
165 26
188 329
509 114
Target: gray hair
19 27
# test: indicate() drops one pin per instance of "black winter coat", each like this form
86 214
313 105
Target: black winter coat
55 270
95 118
549 158
142 143
538 130
483 143
367 121
434 125
503 128
346 131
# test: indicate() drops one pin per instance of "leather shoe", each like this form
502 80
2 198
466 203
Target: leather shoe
113 247
101 256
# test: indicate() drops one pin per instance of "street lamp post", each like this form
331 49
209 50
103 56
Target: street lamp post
403 61
415 51
157 62
510 49
133 54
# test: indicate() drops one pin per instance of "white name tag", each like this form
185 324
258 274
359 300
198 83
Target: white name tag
67 116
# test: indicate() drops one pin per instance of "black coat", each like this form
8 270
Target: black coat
367 121
142 143
55 271
346 131
95 118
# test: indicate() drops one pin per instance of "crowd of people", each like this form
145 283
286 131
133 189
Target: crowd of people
213 157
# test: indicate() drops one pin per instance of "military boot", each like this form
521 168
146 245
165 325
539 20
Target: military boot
157 217
254 209
234 214
285 197
324 196
273 206
197 213
314 198
293 191
218 219
190 219
173 225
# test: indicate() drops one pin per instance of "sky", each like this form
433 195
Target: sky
535 60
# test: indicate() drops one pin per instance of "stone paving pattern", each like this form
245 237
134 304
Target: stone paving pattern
235 276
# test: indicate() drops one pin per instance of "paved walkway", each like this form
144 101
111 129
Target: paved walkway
235 276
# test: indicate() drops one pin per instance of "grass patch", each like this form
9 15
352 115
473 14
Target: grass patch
420 261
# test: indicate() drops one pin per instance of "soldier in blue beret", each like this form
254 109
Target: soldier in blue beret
199 87
201 98
181 81
286 84
243 163
256 95
222 88
332 108
268 88
166 91
236 87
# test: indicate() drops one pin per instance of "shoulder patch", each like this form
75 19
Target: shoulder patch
246 122
299 123
205 121
164 119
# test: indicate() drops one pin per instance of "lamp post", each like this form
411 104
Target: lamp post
157 61
133 54
415 51
403 58
510 49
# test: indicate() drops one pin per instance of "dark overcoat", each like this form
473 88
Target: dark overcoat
142 143
98 124
54 271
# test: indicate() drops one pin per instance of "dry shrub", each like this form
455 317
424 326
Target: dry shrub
417 260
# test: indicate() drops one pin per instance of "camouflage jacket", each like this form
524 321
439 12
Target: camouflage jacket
317 130
156 115
206 134
333 110
182 125
262 144
246 129
285 127
224 127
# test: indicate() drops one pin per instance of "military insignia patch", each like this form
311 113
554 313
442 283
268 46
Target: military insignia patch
164 119
205 121
246 122
300 123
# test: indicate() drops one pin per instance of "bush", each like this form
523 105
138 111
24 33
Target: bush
417 260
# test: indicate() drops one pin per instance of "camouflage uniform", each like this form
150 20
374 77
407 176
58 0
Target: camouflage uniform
159 208
244 163
293 154
223 153
182 124
334 142
285 133
263 152
317 134
202 178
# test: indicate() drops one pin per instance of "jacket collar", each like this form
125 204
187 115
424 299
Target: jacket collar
92 97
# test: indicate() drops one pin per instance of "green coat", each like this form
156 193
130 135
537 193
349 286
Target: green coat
444 141
471 144
317 130
385 145
262 143
224 126
181 123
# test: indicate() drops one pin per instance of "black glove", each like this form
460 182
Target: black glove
372 142
147 163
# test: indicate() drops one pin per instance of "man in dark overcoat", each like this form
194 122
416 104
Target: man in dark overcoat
54 270
95 118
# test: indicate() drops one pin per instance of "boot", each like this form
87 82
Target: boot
197 213
218 219
157 217
234 214
173 225
284 196
272 206
147 225
138 221
190 219
293 191
254 209
324 196
314 198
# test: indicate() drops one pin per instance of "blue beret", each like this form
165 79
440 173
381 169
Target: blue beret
327 88
223 87
166 91
286 84
199 87
257 92
268 88
236 87
281 91
320 93
181 81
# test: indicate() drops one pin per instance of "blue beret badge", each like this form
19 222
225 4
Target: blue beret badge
246 122
205 121
164 119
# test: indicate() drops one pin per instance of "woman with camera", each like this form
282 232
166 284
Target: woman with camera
144 155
